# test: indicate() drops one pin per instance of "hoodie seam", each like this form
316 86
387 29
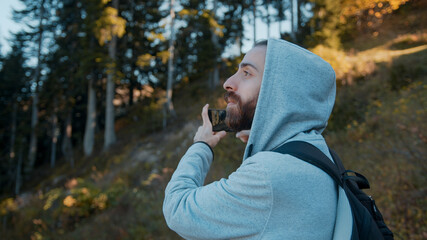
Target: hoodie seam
268 181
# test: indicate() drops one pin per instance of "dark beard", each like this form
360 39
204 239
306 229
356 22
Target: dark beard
240 118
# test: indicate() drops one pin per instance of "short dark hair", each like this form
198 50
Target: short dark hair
261 43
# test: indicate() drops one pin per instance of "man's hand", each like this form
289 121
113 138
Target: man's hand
243 135
205 134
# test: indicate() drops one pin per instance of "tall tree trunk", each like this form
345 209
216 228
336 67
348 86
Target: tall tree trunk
67 145
268 19
89 137
280 15
169 88
293 34
13 132
299 20
33 139
18 180
132 79
110 135
35 111
54 140
254 15
241 36
132 85
214 75
12 153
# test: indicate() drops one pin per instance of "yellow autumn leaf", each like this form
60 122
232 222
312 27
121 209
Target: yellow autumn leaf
164 55
153 36
69 201
144 60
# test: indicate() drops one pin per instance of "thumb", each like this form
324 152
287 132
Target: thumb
221 134
205 117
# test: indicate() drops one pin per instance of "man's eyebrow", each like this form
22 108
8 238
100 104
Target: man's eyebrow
244 64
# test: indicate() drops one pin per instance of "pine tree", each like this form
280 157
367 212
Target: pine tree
13 81
143 41
35 10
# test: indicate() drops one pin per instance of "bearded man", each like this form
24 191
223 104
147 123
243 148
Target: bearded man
280 93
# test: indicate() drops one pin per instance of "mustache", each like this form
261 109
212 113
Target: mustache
232 96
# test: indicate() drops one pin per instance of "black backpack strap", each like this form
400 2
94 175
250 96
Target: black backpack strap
311 154
337 161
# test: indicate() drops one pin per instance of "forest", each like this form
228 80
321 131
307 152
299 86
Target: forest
99 100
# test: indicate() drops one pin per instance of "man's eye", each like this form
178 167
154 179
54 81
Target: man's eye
246 73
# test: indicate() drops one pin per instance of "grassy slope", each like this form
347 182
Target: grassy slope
377 127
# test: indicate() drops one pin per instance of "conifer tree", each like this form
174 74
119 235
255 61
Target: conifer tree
13 95
35 10
142 43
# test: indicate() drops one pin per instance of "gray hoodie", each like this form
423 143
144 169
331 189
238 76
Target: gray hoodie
271 195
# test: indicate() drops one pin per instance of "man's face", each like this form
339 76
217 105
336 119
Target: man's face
243 89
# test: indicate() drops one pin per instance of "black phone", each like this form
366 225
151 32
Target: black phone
217 118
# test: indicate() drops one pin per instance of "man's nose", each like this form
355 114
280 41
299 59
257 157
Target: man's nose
230 84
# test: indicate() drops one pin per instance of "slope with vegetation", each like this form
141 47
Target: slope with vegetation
378 128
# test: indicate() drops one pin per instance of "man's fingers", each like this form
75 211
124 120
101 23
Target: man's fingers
205 116
221 134
243 135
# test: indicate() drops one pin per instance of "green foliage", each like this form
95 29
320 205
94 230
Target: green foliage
334 21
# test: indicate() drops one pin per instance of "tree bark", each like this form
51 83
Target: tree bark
280 15
110 135
67 145
35 111
293 29
132 83
18 181
13 132
268 19
89 137
132 86
298 26
12 153
54 140
214 75
254 15
169 88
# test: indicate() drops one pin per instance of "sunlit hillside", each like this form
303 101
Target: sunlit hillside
378 127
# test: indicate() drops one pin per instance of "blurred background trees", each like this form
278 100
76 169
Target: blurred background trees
86 62
80 64
84 78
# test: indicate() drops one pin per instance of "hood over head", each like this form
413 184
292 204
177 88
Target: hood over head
297 95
